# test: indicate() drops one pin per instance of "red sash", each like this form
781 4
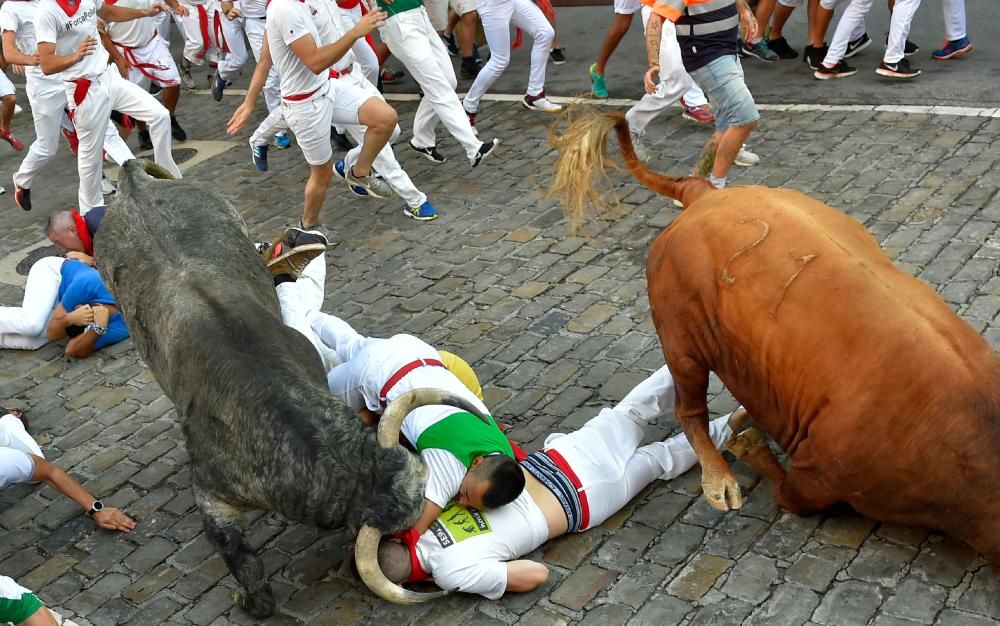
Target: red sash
403 371
146 69
220 36
564 467
83 232
203 27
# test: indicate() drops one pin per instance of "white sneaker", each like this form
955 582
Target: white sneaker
542 104
746 158
639 147
17 109
108 187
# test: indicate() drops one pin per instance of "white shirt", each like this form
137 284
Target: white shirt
467 550
252 8
287 22
329 23
15 467
134 33
10 590
19 16
53 25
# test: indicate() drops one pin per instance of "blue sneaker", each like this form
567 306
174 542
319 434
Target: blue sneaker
423 213
218 86
953 49
449 43
258 154
282 141
340 169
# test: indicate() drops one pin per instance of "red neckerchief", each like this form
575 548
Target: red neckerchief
519 453
69 7
83 232
409 539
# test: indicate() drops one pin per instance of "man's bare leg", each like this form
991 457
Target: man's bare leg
381 120
617 31
729 146
315 193
781 15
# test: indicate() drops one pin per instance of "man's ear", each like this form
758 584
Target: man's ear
477 461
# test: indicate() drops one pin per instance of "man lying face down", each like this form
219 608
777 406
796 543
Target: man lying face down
469 458
576 482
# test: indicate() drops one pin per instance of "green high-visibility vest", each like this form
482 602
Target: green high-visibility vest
466 436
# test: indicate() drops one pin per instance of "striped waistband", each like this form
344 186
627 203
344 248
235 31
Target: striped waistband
545 470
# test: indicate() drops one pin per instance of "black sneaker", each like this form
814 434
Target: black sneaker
431 153
780 47
341 140
909 48
145 141
176 131
469 72
813 56
296 236
22 197
856 46
900 69
557 56
485 150
840 70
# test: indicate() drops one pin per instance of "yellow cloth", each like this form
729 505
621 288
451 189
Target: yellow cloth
462 371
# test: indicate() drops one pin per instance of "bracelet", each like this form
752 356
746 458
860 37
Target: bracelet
97 328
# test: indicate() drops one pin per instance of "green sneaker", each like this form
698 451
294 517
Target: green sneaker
599 89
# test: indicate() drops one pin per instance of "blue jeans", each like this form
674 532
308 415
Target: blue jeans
722 80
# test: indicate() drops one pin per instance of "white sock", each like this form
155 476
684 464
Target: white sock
720 183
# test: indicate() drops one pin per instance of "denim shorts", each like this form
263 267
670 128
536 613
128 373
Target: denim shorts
732 104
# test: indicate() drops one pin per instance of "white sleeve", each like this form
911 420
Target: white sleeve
486 578
446 475
8 18
293 25
15 467
46 26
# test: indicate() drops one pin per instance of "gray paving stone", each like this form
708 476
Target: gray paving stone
728 612
916 600
850 602
789 605
751 579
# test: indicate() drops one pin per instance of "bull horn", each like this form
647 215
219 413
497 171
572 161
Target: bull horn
366 559
398 409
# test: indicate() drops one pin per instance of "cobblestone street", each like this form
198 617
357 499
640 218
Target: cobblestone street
556 326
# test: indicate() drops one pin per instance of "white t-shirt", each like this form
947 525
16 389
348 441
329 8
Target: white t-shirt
19 17
54 25
252 8
134 33
329 24
15 467
467 550
445 471
287 22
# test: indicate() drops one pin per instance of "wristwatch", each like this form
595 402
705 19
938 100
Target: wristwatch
97 328
96 507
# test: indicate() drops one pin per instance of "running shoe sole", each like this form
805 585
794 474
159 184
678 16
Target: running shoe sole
893 74
957 54
827 76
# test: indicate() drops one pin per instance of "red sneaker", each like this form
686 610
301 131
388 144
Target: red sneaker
700 114
12 139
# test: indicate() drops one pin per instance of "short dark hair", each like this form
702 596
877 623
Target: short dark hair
394 561
505 477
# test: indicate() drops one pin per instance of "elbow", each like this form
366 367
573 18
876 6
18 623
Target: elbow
540 577
78 351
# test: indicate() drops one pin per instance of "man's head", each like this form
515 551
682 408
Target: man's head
61 230
394 560
491 482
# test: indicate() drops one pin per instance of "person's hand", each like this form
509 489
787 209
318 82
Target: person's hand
80 316
181 10
649 81
111 518
368 23
82 257
239 118
18 70
155 9
101 315
749 25
86 49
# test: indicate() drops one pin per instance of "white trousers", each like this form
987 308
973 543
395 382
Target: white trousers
364 53
151 63
23 327
675 82
954 19
6 87
497 17
412 39
48 105
299 297
200 41
606 456
853 19
236 58
13 435
163 20
112 92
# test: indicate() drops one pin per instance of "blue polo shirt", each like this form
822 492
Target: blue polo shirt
82 284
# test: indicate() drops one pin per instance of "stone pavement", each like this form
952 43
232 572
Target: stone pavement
556 326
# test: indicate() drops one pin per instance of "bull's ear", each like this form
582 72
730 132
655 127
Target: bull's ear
157 171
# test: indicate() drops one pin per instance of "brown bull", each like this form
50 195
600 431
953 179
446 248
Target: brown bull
879 393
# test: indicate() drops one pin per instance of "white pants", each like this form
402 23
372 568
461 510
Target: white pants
6 87
437 13
299 297
954 19
853 19
413 40
311 120
48 103
13 435
200 42
236 58
606 456
497 17
151 63
364 53
112 92
163 20
675 82
23 327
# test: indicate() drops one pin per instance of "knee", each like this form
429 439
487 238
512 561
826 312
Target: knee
545 34
384 118
10 99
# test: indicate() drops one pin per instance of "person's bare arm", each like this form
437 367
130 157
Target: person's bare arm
109 518
242 112
85 343
654 31
116 13
525 575
82 257
431 512
42 617
747 20
13 54
52 63
113 53
80 316
320 58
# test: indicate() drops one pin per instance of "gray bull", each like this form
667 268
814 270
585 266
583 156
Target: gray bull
262 430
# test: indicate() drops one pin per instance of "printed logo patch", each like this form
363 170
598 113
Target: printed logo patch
458 523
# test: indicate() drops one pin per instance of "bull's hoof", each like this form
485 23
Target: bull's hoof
721 490
259 604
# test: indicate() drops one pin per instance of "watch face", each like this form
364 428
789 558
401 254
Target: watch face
97 506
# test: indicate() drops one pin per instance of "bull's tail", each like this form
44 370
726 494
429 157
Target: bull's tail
583 157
